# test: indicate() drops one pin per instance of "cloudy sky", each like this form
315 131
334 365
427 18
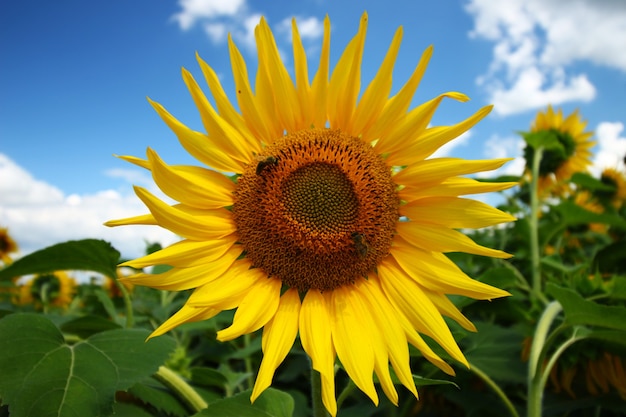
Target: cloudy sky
74 77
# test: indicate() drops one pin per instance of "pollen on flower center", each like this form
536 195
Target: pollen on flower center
321 197
318 210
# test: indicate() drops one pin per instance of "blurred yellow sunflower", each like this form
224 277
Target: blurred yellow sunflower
616 179
559 164
7 246
51 289
335 223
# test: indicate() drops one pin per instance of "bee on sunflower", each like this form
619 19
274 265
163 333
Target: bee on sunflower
336 225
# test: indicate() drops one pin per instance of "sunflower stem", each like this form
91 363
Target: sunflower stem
316 395
534 222
128 304
181 388
482 375
248 361
535 388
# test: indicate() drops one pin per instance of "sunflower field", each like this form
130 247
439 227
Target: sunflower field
329 266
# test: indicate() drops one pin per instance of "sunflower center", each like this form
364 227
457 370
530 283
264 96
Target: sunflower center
320 197
318 211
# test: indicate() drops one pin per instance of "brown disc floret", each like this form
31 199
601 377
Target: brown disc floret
317 210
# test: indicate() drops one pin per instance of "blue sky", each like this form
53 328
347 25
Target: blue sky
74 76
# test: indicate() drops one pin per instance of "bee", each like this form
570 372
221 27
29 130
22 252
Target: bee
360 243
268 162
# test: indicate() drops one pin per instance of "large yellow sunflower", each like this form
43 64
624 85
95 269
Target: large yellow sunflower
335 224
558 165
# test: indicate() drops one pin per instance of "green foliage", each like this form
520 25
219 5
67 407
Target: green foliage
70 379
88 254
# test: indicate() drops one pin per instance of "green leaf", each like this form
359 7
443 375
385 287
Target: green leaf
158 396
590 183
71 380
612 336
272 403
543 138
421 381
86 326
85 255
579 311
573 214
208 377
610 259
496 351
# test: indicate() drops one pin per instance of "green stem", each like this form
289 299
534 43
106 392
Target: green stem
181 388
316 395
248 361
482 375
535 390
128 304
573 339
534 222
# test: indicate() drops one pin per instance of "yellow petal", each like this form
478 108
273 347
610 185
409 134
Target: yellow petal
278 337
351 336
434 138
455 213
283 91
409 299
435 271
448 309
414 338
345 82
319 87
441 239
257 308
194 186
303 89
185 253
143 219
220 133
198 145
211 224
408 131
226 110
436 170
396 107
377 92
178 279
391 331
186 314
258 121
453 187
315 335
226 291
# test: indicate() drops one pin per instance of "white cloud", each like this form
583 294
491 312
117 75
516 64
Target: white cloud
536 40
506 147
309 28
611 149
38 214
221 17
533 89
194 10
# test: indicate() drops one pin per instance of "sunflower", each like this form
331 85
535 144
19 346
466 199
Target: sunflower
7 246
53 289
568 153
334 225
616 179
